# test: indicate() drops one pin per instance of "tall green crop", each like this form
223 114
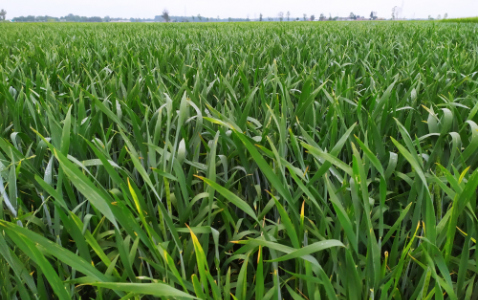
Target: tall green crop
461 20
326 160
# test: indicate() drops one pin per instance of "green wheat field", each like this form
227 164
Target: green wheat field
307 160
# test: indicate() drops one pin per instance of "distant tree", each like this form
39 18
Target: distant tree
439 17
394 12
34 19
95 19
165 16
297 19
322 17
3 14
373 15
230 19
445 16
430 17
288 15
312 17
199 18
260 17
352 16
281 16
305 17
107 19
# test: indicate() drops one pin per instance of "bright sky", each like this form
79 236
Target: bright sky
241 8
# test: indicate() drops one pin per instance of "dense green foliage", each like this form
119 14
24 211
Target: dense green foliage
68 18
238 161
462 20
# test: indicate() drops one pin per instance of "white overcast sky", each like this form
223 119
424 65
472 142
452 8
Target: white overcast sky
241 8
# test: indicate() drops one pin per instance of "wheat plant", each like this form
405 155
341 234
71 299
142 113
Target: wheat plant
327 160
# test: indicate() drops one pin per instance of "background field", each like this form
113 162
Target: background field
237 161
462 20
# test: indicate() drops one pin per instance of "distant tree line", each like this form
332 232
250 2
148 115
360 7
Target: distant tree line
165 17
68 18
